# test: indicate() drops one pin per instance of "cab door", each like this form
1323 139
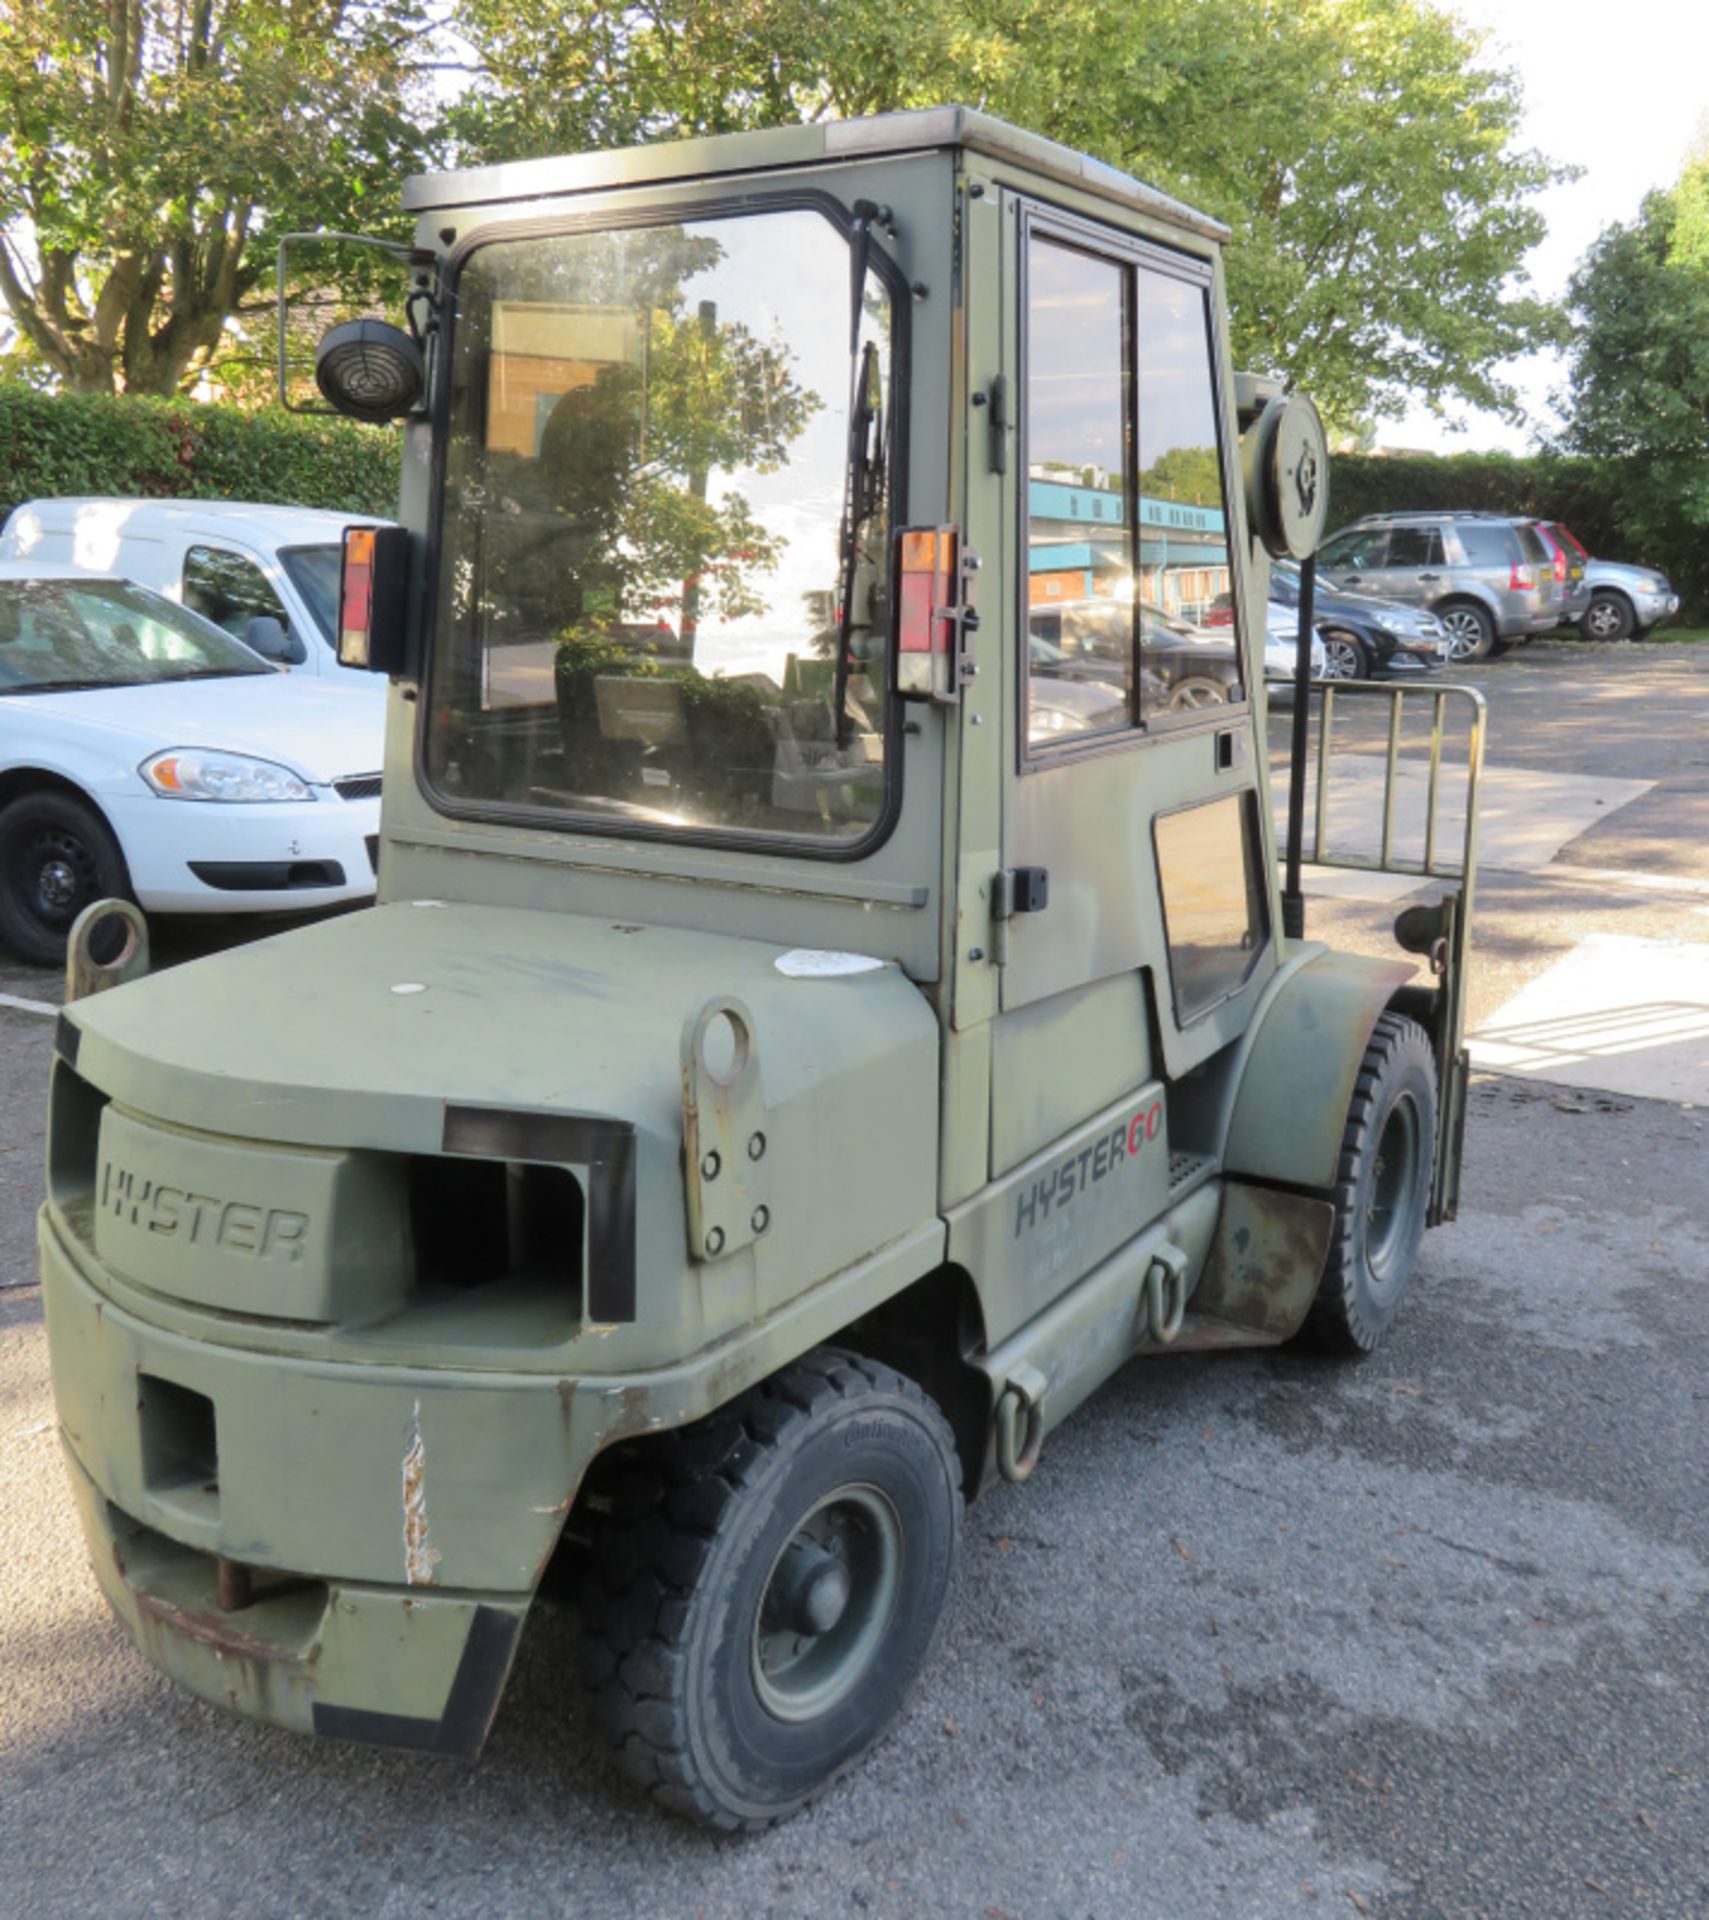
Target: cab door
1135 898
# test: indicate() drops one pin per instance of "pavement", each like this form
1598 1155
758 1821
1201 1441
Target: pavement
1265 1636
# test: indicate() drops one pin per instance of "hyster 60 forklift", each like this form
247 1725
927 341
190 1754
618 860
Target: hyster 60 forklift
833 997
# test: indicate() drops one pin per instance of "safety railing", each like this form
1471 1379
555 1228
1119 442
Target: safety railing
1320 852
1439 930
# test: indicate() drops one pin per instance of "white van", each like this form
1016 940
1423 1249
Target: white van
268 575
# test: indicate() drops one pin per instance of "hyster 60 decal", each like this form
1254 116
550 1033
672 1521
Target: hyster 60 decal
1071 1176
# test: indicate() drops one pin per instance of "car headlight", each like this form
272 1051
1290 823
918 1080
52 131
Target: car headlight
195 773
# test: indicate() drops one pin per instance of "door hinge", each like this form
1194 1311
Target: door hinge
1015 890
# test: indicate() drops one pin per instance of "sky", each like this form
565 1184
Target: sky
1617 87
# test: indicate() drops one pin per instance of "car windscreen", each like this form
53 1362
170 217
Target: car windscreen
1534 547
314 572
663 545
60 636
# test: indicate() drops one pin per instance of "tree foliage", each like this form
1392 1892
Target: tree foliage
1640 374
1362 151
151 151
69 443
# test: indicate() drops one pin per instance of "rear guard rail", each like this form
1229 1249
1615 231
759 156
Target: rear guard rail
1442 932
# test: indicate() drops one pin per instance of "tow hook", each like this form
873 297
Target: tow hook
1165 1294
1020 1424
122 946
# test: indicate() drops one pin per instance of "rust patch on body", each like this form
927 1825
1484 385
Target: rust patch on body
1263 1269
211 1629
420 1555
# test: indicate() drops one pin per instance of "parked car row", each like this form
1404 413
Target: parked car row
152 743
1493 580
194 744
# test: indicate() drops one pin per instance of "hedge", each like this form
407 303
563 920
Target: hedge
72 443
161 449
1594 497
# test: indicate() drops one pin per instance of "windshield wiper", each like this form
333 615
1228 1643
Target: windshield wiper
863 476
67 686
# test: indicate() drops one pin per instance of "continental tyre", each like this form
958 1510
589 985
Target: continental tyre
1608 617
1382 1189
1471 632
1344 656
765 1587
57 856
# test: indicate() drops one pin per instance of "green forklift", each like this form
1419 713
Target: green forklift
837 992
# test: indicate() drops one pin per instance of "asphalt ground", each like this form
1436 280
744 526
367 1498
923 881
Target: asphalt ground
1265 1636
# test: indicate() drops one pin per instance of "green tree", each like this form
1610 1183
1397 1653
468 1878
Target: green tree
1640 375
151 151
1362 150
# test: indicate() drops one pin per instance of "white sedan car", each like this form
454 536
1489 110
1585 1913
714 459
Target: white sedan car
145 753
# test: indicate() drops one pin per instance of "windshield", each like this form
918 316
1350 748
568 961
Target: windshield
657 502
314 572
57 636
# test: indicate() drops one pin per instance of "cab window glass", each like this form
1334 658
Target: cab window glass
1186 661
1214 913
1415 547
1080 572
662 554
229 590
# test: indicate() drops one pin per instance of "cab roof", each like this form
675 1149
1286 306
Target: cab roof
922 130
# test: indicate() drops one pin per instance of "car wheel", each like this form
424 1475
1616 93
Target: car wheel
1609 617
1470 631
57 856
1344 656
1196 691
1382 1189
766 1584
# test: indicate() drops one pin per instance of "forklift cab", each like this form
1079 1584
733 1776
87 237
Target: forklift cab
829 1002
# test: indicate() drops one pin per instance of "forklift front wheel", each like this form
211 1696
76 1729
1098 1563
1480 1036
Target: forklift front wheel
766 1585
1382 1189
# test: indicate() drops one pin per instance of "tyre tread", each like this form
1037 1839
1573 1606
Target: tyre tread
654 1545
1336 1320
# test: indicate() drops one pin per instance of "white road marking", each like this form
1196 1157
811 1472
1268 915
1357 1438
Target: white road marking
45 1008
1619 1013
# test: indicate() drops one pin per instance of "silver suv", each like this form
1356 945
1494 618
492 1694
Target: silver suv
1489 577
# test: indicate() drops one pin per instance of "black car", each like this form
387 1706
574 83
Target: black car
1365 638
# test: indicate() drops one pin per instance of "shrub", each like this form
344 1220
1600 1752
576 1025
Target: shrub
73 443
1591 496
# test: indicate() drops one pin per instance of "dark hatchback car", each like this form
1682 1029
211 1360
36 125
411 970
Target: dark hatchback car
1364 637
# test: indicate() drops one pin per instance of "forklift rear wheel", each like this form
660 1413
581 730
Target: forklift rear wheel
1382 1189
766 1585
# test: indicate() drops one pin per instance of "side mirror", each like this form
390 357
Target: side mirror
274 641
370 370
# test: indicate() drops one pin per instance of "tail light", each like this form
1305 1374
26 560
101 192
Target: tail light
373 588
929 618
1520 579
